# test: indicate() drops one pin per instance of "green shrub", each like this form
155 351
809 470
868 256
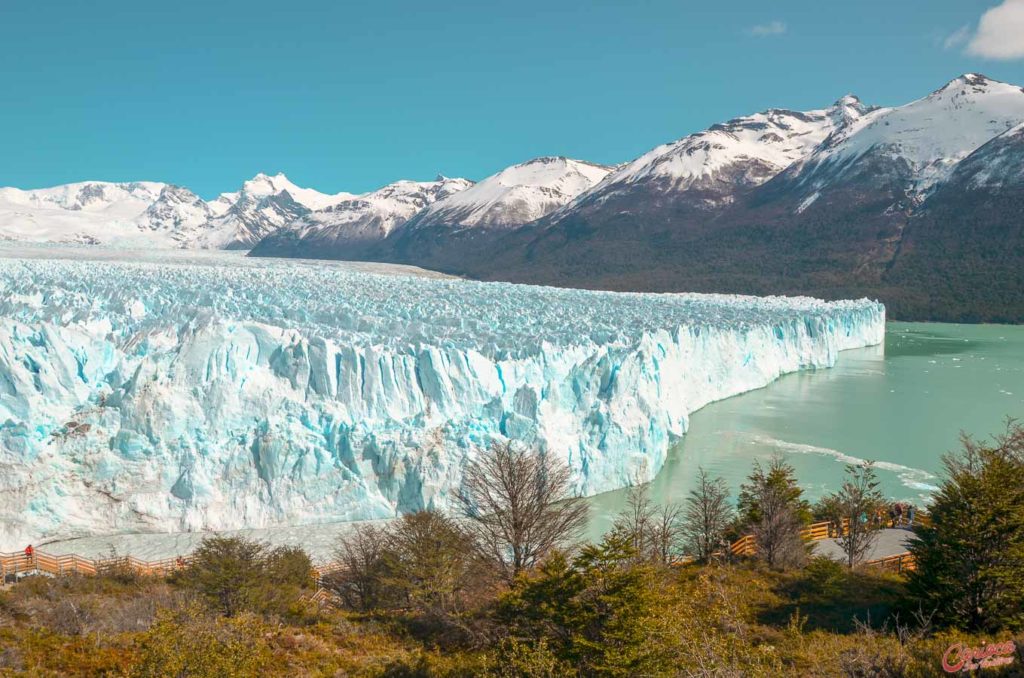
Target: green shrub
193 645
516 658
970 559
594 612
824 577
234 574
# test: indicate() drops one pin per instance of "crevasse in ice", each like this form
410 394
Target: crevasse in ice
188 395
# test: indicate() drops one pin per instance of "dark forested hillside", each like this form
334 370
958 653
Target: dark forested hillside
959 259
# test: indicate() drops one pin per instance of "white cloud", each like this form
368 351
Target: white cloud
770 28
1000 32
957 37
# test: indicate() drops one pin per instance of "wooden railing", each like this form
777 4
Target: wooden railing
15 564
901 562
744 546
747 546
823 530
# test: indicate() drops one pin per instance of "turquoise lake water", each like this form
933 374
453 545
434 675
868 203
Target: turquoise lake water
902 405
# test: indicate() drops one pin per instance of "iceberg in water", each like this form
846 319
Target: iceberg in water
213 391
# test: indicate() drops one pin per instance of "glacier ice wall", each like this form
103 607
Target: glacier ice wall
223 393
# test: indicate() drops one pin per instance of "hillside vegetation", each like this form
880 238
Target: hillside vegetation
507 591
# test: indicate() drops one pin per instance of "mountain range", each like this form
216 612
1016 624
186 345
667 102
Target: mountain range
146 213
919 205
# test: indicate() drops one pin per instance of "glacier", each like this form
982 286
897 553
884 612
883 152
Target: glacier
158 392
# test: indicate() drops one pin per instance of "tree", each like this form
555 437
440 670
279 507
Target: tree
235 574
519 506
773 508
362 556
288 565
653 532
854 504
432 564
633 523
706 517
970 559
666 541
779 476
826 509
593 612
225 571
424 561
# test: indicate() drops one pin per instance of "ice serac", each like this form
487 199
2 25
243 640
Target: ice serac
221 392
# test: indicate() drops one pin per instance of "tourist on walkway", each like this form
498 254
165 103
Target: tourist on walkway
892 515
899 514
29 551
910 516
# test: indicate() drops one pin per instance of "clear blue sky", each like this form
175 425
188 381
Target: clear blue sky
350 96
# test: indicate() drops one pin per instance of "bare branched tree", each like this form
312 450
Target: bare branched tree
519 506
855 503
654 532
707 516
666 542
777 533
634 522
362 561
772 506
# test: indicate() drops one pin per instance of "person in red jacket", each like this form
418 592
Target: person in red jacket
29 551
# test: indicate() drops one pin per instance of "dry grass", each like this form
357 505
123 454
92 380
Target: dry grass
741 620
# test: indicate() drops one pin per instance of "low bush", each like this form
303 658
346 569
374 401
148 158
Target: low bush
191 643
237 575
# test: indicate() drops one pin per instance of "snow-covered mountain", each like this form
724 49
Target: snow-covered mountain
346 229
86 212
470 220
266 186
156 214
514 196
717 162
407 220
114 199
265 204
917 145
961 254
997 166
686 179
176 210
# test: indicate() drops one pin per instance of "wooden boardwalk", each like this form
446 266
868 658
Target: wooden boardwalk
890 542
889 552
